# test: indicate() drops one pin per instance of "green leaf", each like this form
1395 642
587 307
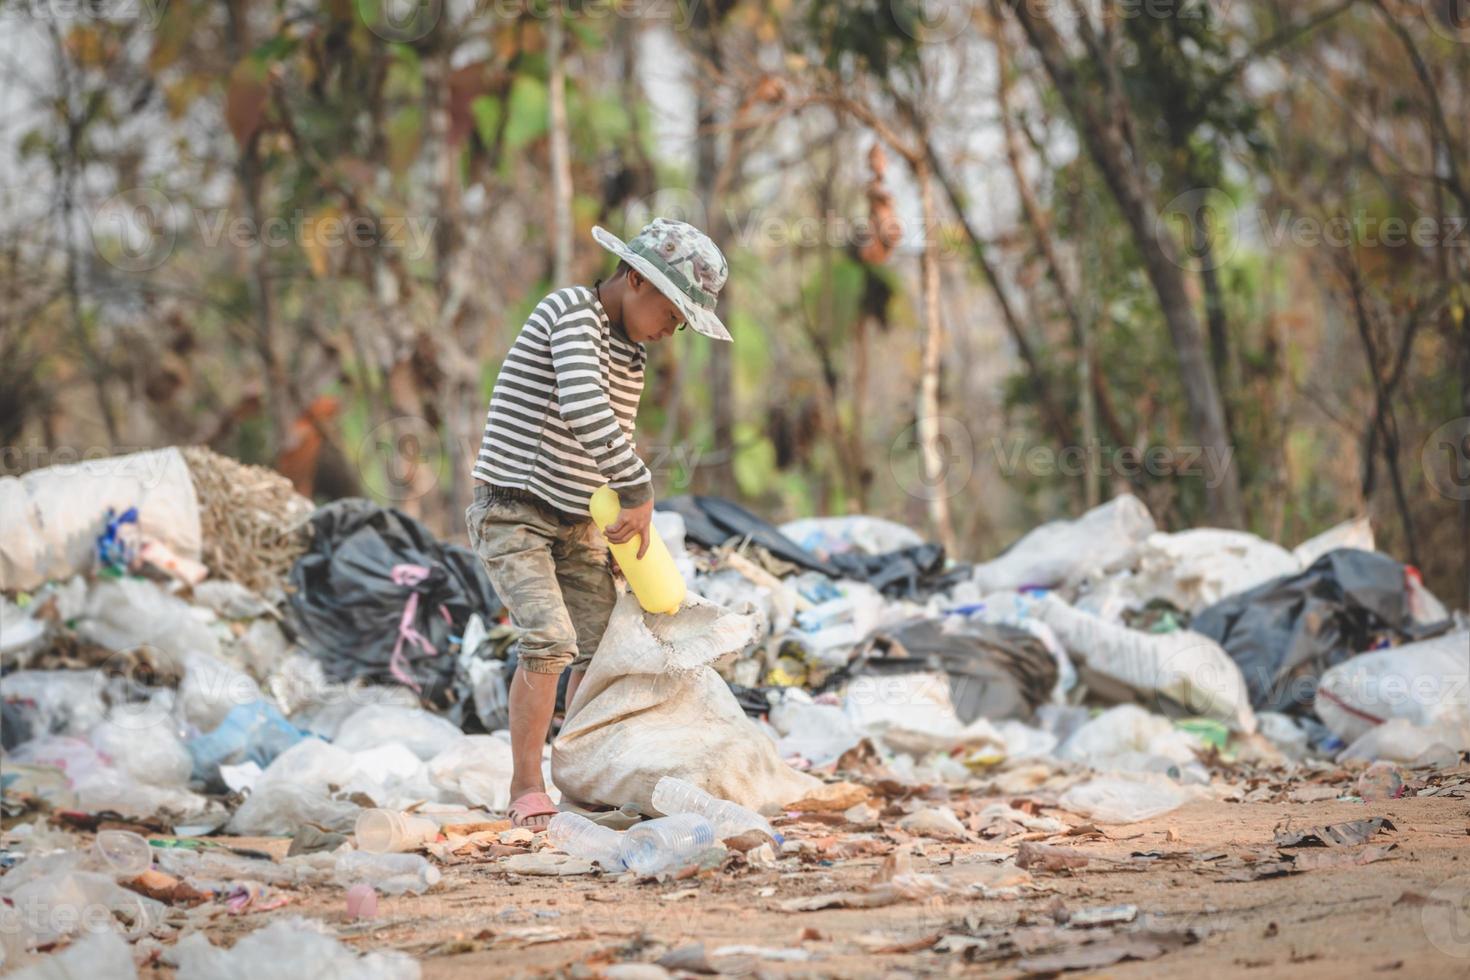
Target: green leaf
487 111
529 112
755 460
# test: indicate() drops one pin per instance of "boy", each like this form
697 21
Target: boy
560 425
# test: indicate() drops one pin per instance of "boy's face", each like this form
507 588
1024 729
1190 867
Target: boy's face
648 314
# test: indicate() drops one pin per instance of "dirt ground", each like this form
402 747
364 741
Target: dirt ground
1407 913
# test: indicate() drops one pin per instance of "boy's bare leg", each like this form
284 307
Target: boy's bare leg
532 701
573 682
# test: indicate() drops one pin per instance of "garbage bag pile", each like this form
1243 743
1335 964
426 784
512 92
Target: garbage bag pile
156 682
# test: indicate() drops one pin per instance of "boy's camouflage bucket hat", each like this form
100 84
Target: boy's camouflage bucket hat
682 262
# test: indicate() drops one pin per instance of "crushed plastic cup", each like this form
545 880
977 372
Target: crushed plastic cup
124 853
388 831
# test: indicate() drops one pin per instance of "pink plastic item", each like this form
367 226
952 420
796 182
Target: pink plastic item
362 901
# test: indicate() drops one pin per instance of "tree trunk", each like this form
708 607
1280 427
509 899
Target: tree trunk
561 162
1102 134
718 476
931 447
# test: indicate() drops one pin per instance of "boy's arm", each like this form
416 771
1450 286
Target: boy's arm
585 407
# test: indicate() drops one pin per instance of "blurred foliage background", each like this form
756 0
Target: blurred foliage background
993 262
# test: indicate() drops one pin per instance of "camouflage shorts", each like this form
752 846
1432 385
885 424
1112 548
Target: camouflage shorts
552 574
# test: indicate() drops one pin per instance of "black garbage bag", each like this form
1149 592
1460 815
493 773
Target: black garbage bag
995 671
378 598
711 521
906 573
1284 633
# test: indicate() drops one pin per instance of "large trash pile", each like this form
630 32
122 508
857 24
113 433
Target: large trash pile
190 651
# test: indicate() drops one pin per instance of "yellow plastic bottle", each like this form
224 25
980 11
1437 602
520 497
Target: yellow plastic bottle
654 579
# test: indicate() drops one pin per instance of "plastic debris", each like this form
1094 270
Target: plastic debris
1114 799
665 843
292 947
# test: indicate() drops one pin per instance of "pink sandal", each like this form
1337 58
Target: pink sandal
528 807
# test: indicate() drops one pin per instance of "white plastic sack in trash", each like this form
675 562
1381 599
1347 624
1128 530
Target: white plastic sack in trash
1194 569
298 787
913 713
651 705
1063 551
1127 738
1356 533
50 518
1400 740
425 734
477 770
211 688
1425 683
403 775
287 948
1185 667
825 536
1125 799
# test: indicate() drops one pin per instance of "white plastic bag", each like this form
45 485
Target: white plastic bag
99 956
477 770
826 536
298 787
1425 683
284 950
150 753
126 613
1119 799
1185 667
1063 551
1127 738
424 734
651 705
819 733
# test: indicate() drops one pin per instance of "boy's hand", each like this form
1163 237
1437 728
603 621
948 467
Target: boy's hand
632 523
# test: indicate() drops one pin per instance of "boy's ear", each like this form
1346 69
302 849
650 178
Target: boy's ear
635 279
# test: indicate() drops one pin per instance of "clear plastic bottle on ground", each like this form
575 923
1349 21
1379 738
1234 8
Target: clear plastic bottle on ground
580 837
388 831
391 874
666 843
673 795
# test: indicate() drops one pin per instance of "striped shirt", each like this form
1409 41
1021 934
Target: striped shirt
561 414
